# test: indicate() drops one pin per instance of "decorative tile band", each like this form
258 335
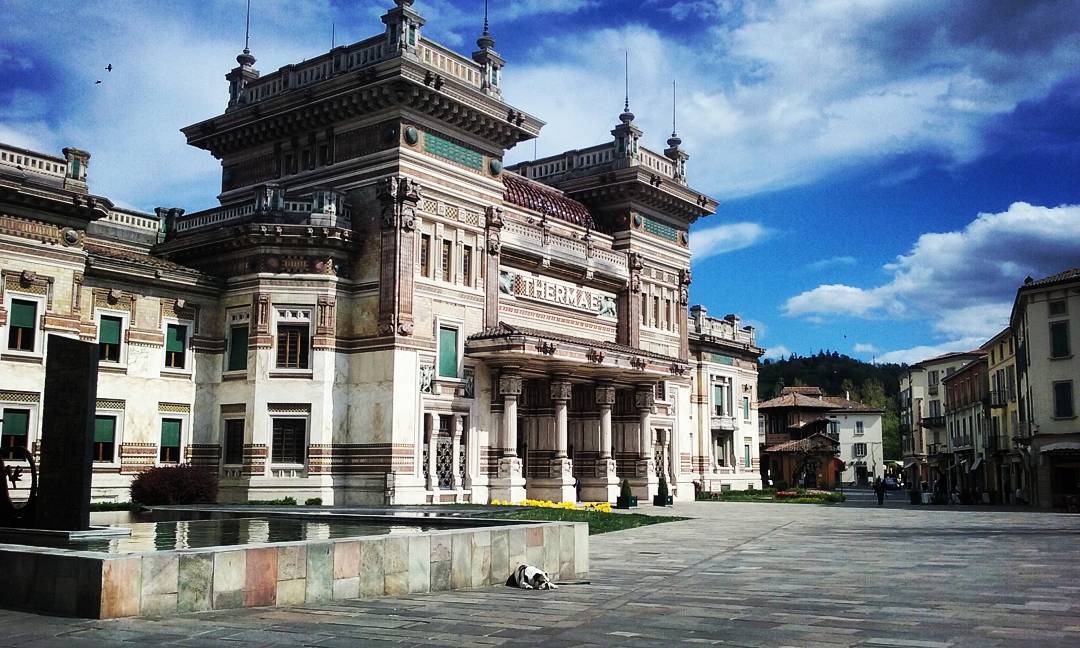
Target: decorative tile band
174 408
19 397
110 404
656 228
288 408
452 151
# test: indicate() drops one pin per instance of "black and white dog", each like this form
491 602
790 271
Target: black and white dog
529 577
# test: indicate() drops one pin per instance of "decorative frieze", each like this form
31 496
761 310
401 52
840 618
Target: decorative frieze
351 458
11 396
110 404
174 408
399 197
288 408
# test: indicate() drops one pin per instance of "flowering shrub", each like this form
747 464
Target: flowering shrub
599 507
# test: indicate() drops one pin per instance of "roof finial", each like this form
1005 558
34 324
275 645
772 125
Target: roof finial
333 35
486 40
674 141
245 58
626 117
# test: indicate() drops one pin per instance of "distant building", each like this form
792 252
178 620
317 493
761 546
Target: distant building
1046 321
724 414
1008 469
967 420
922 416
815 440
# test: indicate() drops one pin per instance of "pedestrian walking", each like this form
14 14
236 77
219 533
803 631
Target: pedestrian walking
879 490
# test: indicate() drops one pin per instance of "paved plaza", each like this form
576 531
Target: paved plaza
735 575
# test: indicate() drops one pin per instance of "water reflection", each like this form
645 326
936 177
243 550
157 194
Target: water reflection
194 534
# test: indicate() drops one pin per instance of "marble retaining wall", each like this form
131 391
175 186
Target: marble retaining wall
167 583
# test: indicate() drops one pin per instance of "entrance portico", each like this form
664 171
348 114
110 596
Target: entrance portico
576 414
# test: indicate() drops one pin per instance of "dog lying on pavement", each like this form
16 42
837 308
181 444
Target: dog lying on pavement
529 577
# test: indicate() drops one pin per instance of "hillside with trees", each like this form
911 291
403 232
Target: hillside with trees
877 385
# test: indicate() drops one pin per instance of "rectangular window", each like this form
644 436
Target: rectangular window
667 314
425 255
234 441
289 444
1057 308
656 311
447 269
859 428
175 346
238 348
16 427
834 428
109 338
466 265
1063 399
104 438
1059 339
718 399
644 310
292 349
448 352
746 408
746 455
859 449
22 325
170 441
932 377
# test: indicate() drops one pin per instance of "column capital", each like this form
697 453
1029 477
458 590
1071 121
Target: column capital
605 394
510 384
560 389
645 396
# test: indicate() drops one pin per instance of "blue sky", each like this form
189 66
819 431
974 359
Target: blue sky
888 171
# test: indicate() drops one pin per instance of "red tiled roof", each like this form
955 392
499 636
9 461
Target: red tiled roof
539 197
1067 275
117 253
795 400
848 405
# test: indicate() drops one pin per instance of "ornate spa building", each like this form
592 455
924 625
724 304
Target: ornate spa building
379 311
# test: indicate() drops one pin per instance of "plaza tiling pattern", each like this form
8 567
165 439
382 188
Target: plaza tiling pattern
737 575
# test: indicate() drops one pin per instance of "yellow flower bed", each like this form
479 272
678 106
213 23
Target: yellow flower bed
599 507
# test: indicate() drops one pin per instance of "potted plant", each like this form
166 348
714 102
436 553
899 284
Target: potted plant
626 497
662 497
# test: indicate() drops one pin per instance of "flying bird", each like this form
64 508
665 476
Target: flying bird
97 82
109 67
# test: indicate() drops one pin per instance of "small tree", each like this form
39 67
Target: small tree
624 490
661 492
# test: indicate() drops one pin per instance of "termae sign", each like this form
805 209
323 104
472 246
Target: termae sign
546 290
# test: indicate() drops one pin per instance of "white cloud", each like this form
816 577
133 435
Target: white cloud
778 352
719 239
865 347
964 281
831 262
919 353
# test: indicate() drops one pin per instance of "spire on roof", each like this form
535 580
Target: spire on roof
245 59
489 59
674 151
626 117
674 140
486 40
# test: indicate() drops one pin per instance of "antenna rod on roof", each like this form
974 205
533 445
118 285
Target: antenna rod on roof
626 78
247 27
333 35
485 16
673 99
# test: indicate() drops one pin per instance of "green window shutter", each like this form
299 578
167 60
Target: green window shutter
718 396
170 433
745 407
448 349
109 331
174 338
16 422
238 348
104 429
23 314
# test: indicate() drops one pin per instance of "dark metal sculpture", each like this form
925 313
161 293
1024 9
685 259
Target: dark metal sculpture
11 513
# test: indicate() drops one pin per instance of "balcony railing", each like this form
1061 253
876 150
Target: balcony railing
933 421
932 389
999 398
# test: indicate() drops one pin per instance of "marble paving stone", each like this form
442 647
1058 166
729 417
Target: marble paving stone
552 545
346 560
159 605
566 552
372 576
121 587
440 576
346 588
419 564
292 562
500 556
291 592
481 558
260 580
516 547
581 549
396 555
229 567
397 584
320 573
461 561
440 547
161 574
535 556
534 536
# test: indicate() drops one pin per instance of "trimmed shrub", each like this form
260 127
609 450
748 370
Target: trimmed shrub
284 501
624 489
181 484
313 501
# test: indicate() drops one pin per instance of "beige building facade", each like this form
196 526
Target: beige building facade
378 311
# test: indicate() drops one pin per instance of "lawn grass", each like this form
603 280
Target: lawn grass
770 496
598 522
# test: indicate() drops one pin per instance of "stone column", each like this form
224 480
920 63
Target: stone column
561 486
509 484
645 482
429 438
455 432
494 222
398 197
628 331
603 484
